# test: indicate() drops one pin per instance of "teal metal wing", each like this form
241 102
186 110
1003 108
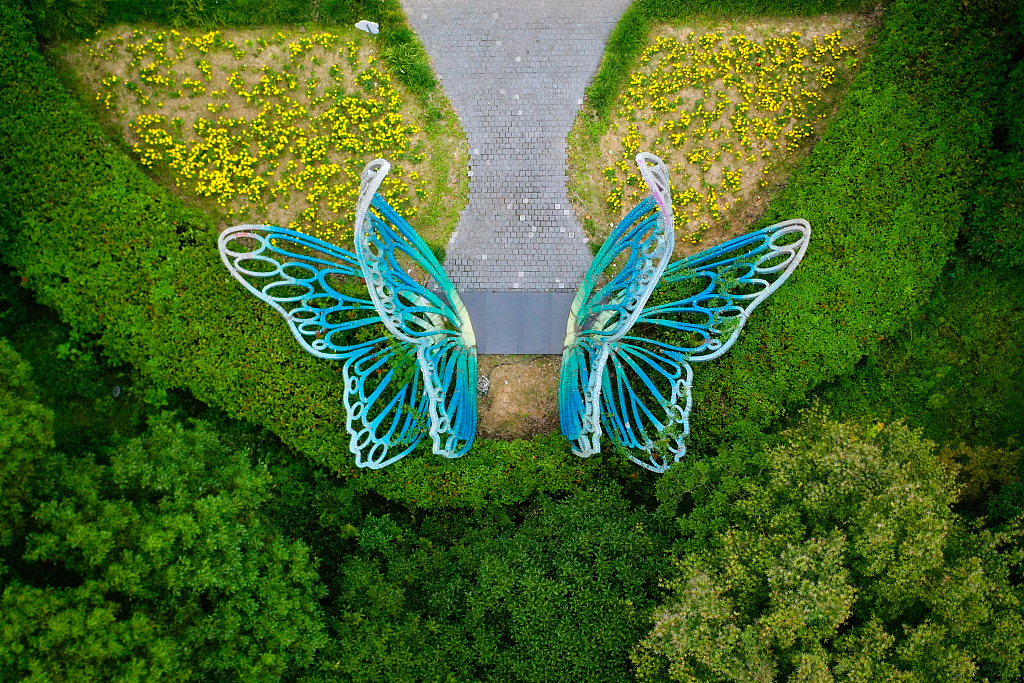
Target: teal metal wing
637 323
408 355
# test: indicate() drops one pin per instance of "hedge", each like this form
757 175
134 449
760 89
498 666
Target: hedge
122 259
56 20
885 191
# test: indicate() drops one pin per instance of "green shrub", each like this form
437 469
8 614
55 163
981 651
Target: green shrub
493 473
157 564
885 191
219 13
120 259
560 595
995 224
55 20
844 560
401 47
26 435
954 369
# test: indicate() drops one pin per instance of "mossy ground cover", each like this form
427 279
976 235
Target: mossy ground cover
730 107
273 126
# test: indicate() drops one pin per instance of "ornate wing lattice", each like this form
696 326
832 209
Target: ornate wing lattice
406 362
638 385
437 325
612 296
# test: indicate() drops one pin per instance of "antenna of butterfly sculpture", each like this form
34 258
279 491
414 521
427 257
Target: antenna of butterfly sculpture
408 355
637 322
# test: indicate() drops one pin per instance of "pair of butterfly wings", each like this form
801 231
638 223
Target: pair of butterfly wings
636 323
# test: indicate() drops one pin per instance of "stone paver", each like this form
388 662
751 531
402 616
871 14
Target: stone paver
516 72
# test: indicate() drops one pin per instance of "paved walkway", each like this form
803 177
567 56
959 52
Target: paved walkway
516 72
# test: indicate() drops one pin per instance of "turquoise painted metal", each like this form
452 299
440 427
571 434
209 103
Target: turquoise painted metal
637 323
408 354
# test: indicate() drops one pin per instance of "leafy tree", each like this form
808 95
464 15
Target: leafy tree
158 566
845 564
26 434
560 592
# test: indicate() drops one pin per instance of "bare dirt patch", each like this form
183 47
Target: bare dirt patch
522 400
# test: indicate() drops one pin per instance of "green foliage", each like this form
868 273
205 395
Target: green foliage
123 261
845 559
76 383
150 281
492 473
158 566
626 42
439 251
560 593
954 370
219 13
26 434
981 470
885 191
996 221
55 20
128 265
401 47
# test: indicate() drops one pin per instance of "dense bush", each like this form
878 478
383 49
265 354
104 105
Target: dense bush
541 592
952 371
888 189
154 562
61 19
145 278
836 551
847 561
996 220
885 191
26 434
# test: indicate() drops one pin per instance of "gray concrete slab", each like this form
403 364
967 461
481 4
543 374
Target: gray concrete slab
518 323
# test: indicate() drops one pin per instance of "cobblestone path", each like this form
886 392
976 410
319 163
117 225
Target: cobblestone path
516 72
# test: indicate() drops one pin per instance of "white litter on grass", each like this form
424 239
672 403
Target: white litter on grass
371 27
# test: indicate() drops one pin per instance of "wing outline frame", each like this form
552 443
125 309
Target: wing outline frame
601 410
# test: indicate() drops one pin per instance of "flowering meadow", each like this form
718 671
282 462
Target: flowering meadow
725 112
270 128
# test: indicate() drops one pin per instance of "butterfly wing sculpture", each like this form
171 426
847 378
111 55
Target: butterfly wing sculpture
408 354
637 323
